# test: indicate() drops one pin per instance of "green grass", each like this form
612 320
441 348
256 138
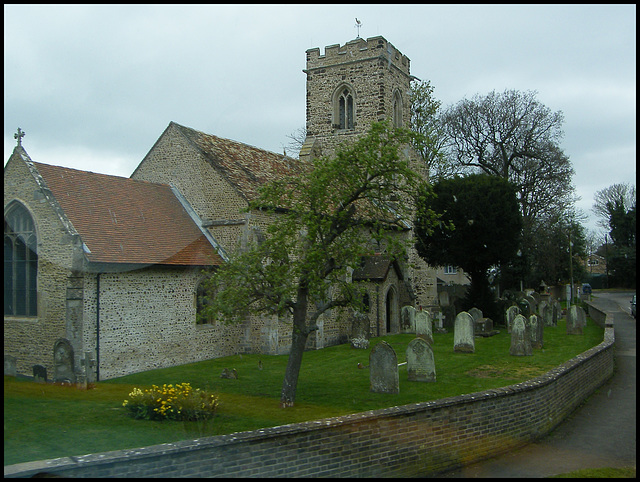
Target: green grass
602 473
45 421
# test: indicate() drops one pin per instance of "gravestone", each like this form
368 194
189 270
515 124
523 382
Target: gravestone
510 315
541 307
10 366
39 374
383 369
484 327
463 333
424 328
230 374
555 312
475 313
420 363
575 320
537 329
407 319
63 371
360 331
520 338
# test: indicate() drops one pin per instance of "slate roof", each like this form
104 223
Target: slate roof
246 167
122 220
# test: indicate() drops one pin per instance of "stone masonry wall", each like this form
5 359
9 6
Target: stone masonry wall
421 439
31 339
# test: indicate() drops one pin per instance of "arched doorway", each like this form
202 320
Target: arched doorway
391 311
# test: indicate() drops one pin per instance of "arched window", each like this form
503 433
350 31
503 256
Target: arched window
201 303
20 263
344 110
397 109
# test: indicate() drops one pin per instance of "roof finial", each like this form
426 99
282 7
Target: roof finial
19 135
358 25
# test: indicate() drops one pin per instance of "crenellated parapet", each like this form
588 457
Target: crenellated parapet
358 50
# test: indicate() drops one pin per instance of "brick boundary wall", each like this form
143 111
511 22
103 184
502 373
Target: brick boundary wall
418 439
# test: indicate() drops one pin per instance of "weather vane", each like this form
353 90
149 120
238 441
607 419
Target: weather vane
19 135
358 25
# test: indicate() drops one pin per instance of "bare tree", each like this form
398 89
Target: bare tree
622 194
514 136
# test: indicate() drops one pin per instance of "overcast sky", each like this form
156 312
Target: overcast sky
95 86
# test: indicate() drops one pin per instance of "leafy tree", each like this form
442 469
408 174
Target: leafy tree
323 223
479 227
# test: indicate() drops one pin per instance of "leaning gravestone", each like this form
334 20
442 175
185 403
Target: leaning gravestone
63 362
420 364
463 333
575 320
510 315
424 327
39 374
383 369
537 329
407 319
520 338
10 366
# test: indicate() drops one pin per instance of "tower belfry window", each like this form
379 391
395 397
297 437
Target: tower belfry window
345 110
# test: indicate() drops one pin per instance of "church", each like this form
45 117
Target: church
103 273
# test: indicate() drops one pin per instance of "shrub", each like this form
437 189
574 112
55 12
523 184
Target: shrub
171 403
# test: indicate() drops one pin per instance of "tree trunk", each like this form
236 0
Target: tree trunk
298 343
290 383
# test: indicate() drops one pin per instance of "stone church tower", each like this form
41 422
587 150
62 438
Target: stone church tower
348 88
351 86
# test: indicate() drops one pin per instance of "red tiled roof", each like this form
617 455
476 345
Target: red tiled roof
246 167
123 220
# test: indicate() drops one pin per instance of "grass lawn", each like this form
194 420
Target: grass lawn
45 421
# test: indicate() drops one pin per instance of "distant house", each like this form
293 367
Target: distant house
595 264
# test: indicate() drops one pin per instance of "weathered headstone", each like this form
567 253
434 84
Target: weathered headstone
443 298
520 338
463 333
424 328
360 331
39 374
510 315
407 319
475 313
537 330
63 362
420 363
484 327
576 319
10 366
383 369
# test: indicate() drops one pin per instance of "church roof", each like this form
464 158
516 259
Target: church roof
122 220
246 167
375 268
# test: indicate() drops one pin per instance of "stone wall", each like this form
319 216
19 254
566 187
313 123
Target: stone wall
420 439
31 339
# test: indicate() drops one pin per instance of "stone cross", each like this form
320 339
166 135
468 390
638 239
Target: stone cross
19 135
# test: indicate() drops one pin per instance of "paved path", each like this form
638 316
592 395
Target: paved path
600 433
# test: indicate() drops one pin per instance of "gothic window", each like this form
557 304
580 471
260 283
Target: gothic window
20 263
344 109
397 109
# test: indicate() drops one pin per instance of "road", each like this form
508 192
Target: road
600 433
